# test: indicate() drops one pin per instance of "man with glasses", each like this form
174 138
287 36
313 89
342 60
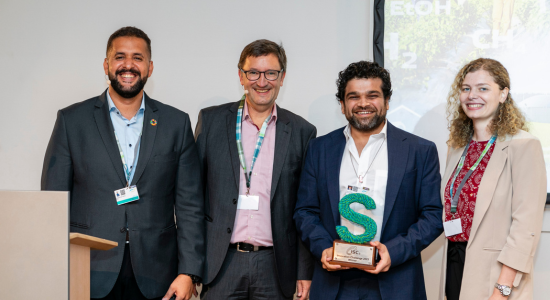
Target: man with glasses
251 154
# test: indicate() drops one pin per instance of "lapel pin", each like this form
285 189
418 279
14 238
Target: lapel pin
153 122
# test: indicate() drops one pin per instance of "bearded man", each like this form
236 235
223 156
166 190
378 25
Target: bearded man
130 164
398 170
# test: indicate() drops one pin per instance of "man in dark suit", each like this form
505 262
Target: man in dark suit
122 145
252 248
398 170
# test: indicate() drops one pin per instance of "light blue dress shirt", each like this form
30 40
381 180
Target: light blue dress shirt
128 133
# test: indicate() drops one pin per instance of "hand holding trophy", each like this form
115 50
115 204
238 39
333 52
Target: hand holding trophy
354 250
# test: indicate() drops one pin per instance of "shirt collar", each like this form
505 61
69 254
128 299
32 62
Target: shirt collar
112 106
383 133
273 113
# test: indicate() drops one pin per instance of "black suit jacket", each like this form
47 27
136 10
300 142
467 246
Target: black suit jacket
216 141
83 158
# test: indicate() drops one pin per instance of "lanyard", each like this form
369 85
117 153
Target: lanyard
127 170
240 144
454 198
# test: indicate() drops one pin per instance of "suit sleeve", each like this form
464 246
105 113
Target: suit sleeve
57 171
429 225
189 207
307 211
305 259
528 202
200 138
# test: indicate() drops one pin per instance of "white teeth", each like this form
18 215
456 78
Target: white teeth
128 75
475 105
364 112
261 91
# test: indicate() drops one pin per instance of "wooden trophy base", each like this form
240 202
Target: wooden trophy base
360 256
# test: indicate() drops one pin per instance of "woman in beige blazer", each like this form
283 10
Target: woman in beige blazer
500 225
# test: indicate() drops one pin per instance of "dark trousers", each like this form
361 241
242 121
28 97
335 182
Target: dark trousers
245 275
126 287
456 256
359 289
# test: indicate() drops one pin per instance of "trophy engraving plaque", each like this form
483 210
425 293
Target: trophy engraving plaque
355 250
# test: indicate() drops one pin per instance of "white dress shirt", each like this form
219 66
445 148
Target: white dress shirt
353 165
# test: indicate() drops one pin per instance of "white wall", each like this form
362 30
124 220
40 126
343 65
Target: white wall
51 55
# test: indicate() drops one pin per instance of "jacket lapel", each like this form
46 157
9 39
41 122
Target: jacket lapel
107 133
488 185
231 120
147 138
398 153
282 138
334 154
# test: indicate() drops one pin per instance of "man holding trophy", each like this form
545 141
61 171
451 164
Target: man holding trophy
368 201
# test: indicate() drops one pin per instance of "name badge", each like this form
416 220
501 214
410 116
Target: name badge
452 227
357 189
248 202
127 194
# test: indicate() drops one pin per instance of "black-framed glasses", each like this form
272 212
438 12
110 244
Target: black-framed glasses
270 75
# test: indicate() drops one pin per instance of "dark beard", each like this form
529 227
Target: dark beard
372 124
130 92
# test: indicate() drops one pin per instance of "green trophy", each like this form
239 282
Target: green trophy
354 250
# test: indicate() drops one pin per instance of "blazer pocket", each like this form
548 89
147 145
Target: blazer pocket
80 225
169 227
166 157
491 249
410 173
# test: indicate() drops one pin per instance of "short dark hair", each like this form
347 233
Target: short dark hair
363 70
261 48
129 31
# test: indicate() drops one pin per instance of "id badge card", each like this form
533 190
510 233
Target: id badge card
248 202
452 227
127 194
356 189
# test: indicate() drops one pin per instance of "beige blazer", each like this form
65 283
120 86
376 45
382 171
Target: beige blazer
507 218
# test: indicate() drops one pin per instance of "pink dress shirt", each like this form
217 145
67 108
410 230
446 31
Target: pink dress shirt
254 226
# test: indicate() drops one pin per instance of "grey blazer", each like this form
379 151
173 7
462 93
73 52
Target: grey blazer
83 158
219 159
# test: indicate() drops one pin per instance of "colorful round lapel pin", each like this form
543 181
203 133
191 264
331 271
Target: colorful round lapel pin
153 122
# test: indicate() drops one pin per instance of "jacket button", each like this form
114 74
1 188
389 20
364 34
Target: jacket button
122 229
228 230
234 201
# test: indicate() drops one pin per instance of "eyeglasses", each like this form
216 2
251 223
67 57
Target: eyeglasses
255 75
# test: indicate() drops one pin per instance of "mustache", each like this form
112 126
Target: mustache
133 71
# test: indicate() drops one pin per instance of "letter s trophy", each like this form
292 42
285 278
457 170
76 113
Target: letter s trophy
354 250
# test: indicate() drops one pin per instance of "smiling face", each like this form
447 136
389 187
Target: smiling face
128 66
480 96
262 92
364 105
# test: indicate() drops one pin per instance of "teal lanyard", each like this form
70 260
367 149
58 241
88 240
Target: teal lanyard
127 170
454 198
240 144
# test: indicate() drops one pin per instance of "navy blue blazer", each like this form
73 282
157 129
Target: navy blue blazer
412 214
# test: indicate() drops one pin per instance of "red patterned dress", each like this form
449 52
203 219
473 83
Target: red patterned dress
467 199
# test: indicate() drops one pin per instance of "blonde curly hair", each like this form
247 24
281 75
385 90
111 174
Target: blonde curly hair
509 120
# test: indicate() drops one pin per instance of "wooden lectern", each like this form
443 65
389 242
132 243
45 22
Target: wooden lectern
79 277
39 258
